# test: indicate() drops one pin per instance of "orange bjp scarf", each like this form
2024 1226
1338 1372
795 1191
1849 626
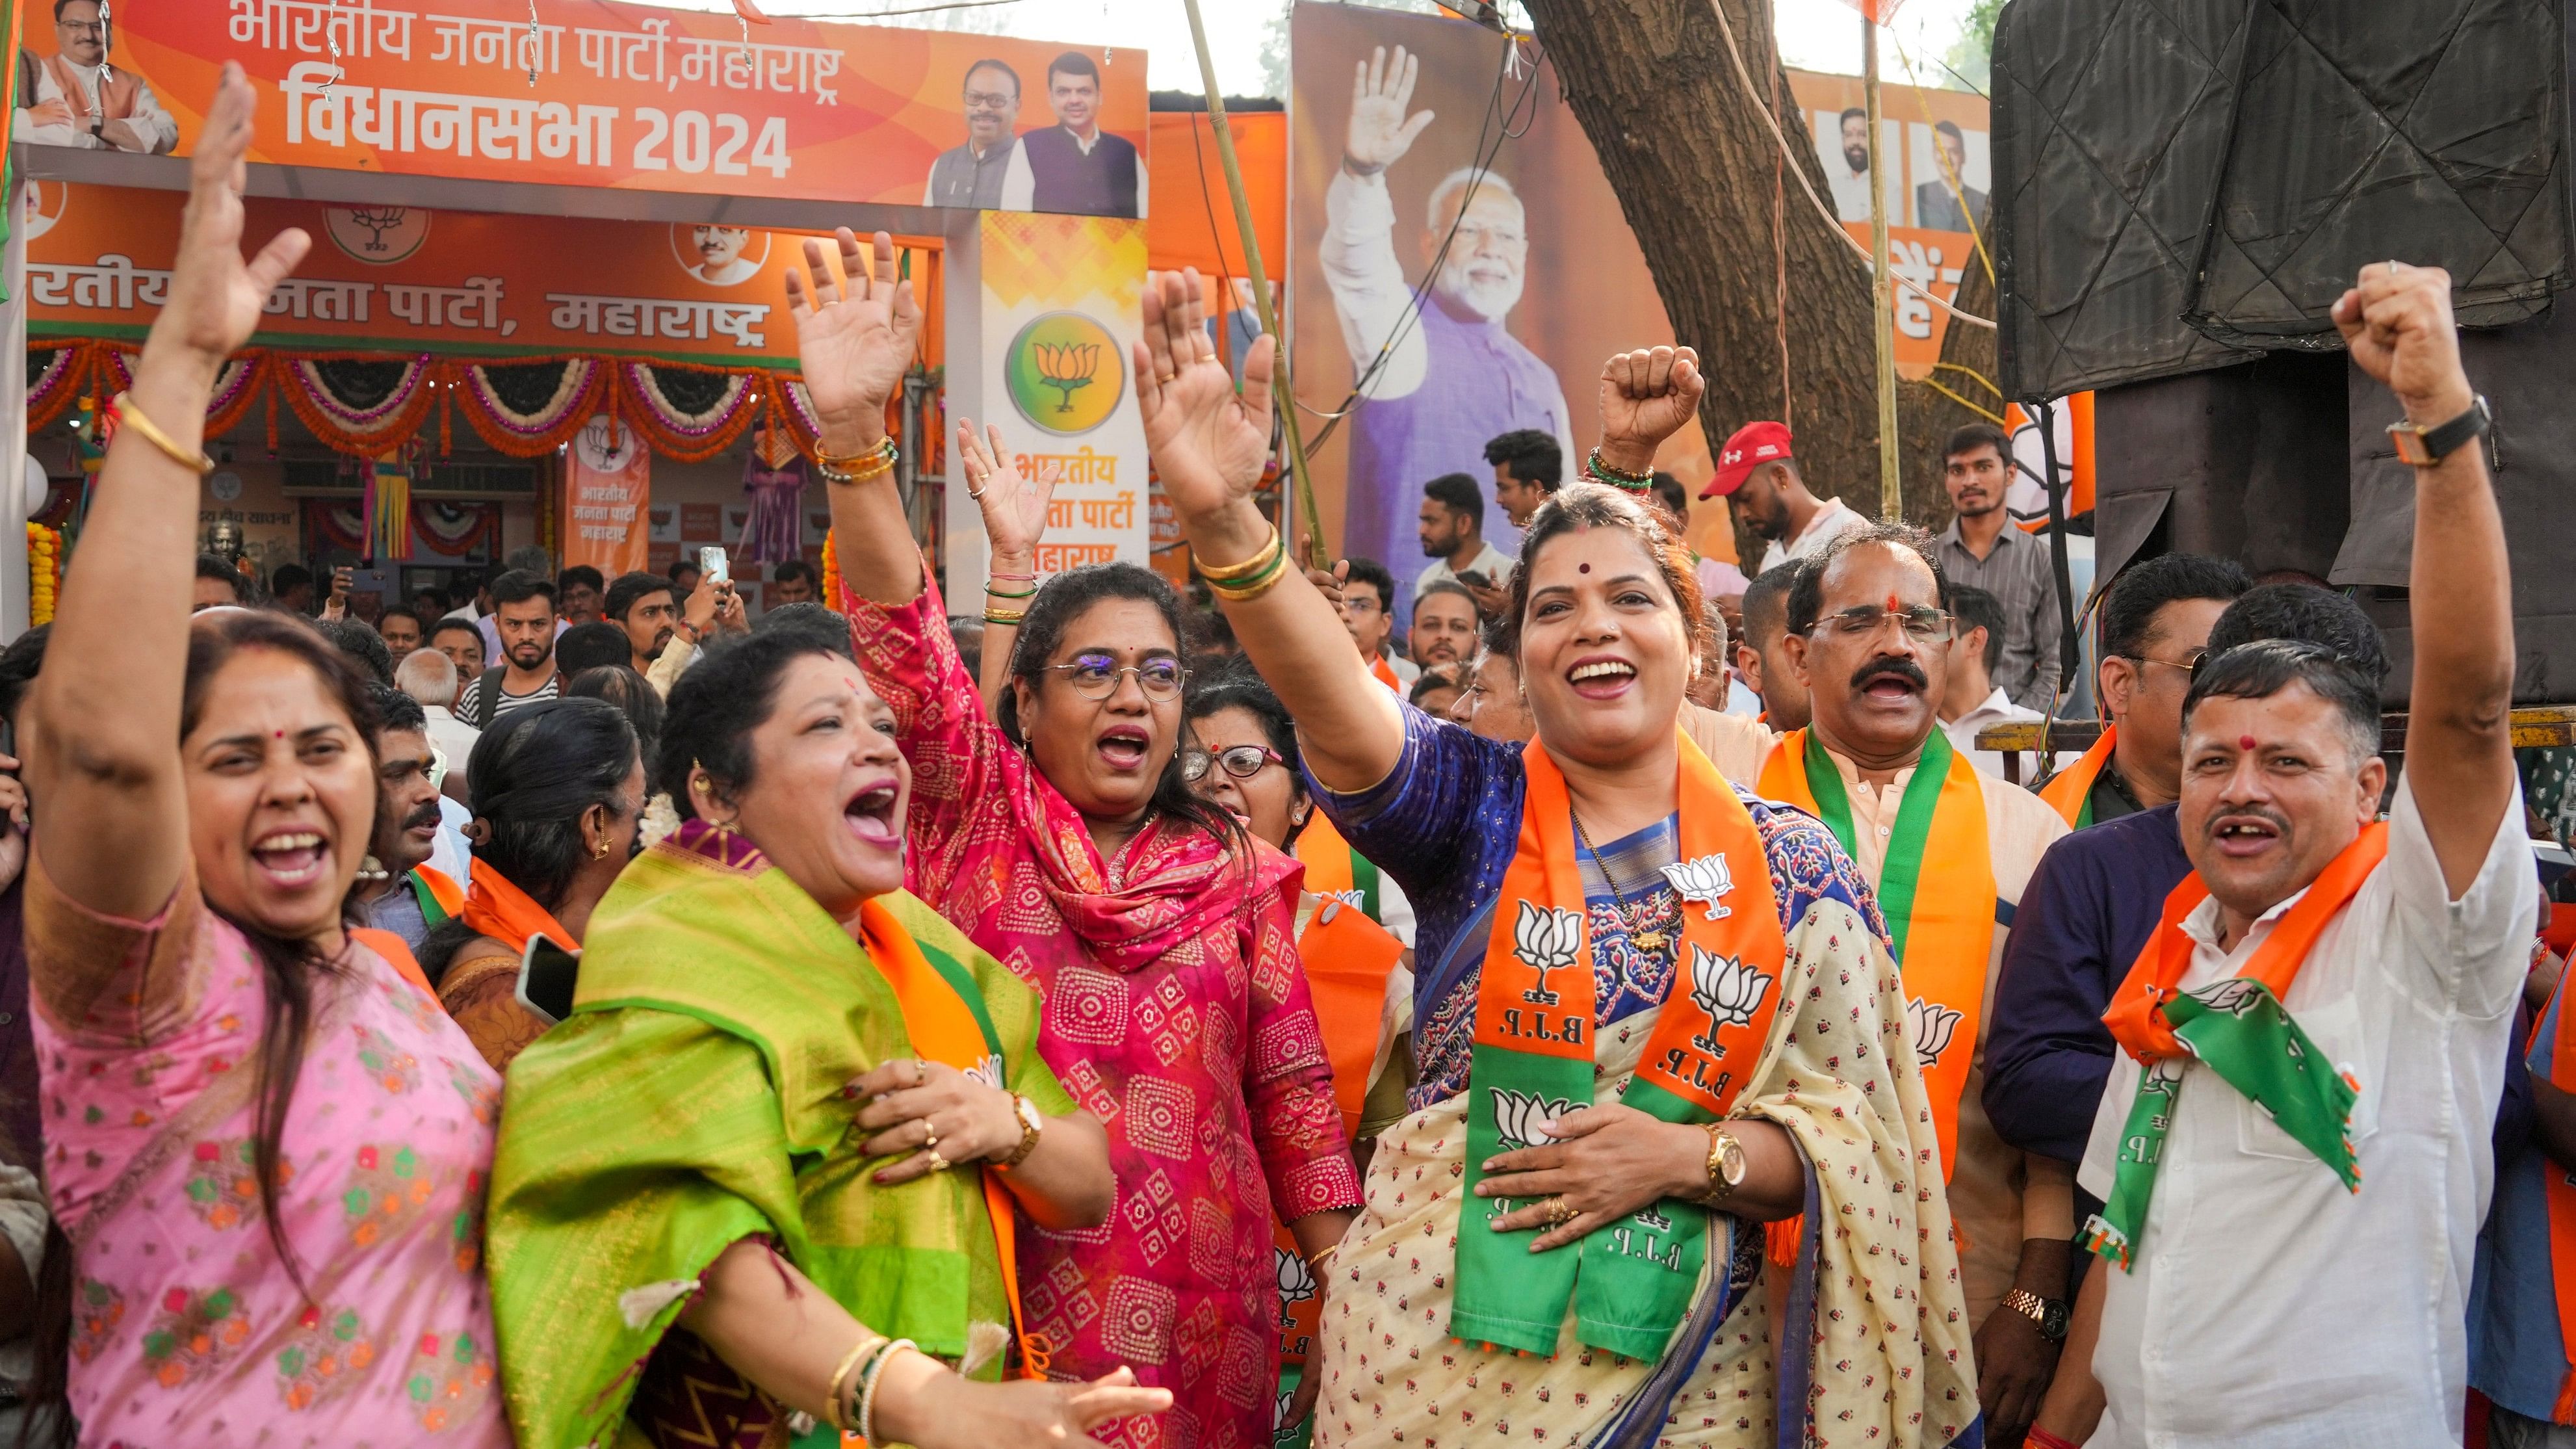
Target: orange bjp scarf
496 908
1937 889
2069 792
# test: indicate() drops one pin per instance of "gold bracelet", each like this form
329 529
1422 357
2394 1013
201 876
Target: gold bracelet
127 415
885 448
1255 587
1236 573
856 467
832 1386
1005 618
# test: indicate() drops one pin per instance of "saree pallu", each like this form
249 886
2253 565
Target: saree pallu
1875 1291
693 1099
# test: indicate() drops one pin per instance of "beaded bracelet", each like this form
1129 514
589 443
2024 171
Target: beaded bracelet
1603 472
1262 561
870 464
1005 618
871 1376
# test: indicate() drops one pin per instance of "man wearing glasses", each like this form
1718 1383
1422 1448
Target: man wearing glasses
80 100
971 175
1948 852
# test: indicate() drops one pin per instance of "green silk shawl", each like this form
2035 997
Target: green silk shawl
694 1099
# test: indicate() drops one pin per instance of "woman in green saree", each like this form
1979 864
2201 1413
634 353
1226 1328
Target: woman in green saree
760 1186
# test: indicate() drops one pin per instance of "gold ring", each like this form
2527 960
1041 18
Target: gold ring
1560 1212
929 1134
920 1073
939 1163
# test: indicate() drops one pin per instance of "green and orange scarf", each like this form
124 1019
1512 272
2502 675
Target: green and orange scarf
2069 792
1937 890
2241 1029
1631 1282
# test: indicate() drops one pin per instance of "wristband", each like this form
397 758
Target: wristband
1603 472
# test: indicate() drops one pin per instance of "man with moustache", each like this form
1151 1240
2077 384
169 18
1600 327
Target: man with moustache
1948 852
1444 378
81 100
581 586
1982 549
2295 1176
523 616
1444 625
1452 530
971 176
720 259
640 603
399 891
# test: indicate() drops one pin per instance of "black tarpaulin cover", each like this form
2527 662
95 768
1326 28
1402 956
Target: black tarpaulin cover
2180 184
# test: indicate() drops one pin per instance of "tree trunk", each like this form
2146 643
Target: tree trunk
1693 164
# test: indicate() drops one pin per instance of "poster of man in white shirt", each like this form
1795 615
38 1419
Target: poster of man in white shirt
76 97
1842 146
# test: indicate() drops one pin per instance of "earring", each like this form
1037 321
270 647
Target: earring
603 851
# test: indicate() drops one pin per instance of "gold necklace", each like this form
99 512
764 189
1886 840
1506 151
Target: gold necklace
1643 940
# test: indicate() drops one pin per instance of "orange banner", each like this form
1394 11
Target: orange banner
1196 226
608 480
397 279
598 93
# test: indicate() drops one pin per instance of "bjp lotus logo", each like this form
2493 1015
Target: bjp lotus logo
1703 880
1063 373
1930 1024
1296 1280
1728 990
1546 938
1518 1117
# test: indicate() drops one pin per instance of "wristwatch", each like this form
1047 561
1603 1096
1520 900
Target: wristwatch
2424 447
1725 1165
2049 1313
1032 1122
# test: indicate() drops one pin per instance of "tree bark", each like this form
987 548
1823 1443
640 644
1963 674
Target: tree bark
1693 165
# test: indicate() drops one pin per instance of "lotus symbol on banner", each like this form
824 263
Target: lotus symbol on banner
1296 1281
1728 990
1930 1024
1517 1116
1067 367
1546 938
1703 880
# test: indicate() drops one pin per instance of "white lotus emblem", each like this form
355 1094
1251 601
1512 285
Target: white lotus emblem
1350 898
1647 1217
2236 996
1286 1397
1546 938
1703 880
1296 1281
1930 1024
1728 990
1517 1116
989 1072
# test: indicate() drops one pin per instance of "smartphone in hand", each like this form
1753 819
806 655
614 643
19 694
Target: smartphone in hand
712 567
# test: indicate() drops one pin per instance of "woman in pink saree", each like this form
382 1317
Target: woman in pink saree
1064 841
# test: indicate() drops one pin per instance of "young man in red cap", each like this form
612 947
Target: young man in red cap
1758 476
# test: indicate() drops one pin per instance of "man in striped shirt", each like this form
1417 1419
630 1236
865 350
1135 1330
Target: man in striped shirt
523 613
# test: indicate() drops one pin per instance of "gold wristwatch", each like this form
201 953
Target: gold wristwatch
1725 1165
2049 1313
1032 1122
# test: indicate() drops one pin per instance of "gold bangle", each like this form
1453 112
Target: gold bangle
1255 587
127 415
841 1373
885 449
1005 618
1236 573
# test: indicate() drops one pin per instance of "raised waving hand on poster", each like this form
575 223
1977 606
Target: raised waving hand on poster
856 338
1380 132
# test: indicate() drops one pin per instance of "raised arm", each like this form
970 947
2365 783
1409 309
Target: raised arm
1208 443
1015 519
104 754
855 338
2459 747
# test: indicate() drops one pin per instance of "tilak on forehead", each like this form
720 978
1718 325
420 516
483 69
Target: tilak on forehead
2246 743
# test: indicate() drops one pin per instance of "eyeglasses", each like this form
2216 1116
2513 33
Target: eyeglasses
1161 679
1241 761
2189 667
988 100
1922 623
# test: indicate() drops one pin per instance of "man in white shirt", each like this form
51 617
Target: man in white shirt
1971 700
1452 528
83 101
1850 179
1757 475
2297 1248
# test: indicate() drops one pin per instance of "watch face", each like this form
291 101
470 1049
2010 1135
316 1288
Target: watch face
2052 1320
1730 1161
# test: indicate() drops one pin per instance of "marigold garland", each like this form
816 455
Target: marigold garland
44 573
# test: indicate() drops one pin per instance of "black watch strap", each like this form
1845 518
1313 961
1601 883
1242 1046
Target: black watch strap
2432 445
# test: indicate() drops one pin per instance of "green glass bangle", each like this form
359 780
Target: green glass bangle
1027 593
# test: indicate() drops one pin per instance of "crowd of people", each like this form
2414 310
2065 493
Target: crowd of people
1586 996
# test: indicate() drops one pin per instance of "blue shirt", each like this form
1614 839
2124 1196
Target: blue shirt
1445 824
2096 897
2517 1356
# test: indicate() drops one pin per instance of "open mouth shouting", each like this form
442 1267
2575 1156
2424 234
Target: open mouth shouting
1601 676
1890 682
1124 748
2244 834
292 858
871 814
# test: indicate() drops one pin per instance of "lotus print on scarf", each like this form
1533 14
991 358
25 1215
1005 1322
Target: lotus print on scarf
1546 938
1930 1024
1517 1116
1703 880
1728 990
2236 995
989 1072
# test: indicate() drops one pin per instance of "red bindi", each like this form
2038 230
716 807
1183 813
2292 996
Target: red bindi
279 734
2246 743
1892 604
1583 568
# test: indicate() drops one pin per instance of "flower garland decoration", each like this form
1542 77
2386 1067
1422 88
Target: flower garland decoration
50 389
677 431
489 391
366 431
44 573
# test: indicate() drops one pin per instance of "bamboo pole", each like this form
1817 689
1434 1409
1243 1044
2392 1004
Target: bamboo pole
1282 392
1891 486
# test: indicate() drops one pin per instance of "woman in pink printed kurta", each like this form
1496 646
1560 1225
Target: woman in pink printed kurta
1175 1012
